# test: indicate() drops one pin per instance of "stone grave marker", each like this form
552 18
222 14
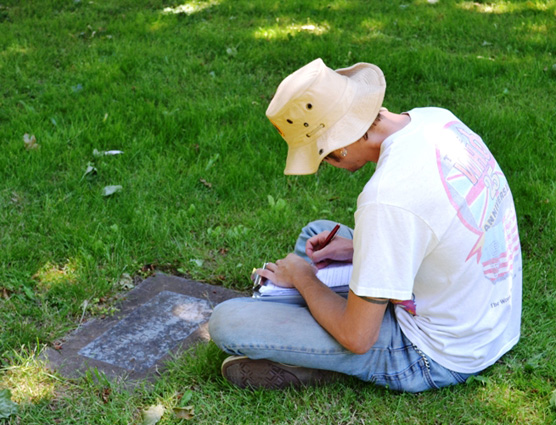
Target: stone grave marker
159 317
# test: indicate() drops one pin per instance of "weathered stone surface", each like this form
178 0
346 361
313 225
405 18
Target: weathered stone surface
160 317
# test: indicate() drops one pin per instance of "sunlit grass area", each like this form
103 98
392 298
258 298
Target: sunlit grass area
501 7
283 32
191 7
179 90
29 381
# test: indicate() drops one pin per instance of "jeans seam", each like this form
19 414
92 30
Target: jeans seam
284 349
458 376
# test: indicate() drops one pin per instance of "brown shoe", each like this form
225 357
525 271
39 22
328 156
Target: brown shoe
247 373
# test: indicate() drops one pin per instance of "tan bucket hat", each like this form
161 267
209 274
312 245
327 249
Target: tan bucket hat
318 110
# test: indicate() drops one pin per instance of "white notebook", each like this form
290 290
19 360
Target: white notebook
336 276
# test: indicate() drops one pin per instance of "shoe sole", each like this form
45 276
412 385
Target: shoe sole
247 373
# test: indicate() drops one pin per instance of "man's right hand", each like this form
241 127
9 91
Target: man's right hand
340 249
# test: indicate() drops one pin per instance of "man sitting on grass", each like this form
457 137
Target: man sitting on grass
435 292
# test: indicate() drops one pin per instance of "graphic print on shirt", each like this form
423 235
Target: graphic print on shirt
408 305
478 190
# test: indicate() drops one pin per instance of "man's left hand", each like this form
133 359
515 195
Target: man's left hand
287 271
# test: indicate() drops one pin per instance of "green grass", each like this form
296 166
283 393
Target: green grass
184 96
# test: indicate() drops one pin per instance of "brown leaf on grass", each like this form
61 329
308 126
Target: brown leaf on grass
148 268
30 142
5 293
105 395
206 183
187 412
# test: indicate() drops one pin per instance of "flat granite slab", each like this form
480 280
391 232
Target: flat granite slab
160 317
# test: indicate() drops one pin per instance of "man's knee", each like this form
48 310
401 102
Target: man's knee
315 227
227 320
218 322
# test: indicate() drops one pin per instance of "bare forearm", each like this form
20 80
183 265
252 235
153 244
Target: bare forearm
328 309
354 323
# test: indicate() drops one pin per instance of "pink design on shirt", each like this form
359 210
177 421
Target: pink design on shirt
407 305
479 192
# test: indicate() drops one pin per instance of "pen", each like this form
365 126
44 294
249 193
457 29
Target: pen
331 235
259 280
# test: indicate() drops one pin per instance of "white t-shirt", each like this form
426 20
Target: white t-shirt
436 229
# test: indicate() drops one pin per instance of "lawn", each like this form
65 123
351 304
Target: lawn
196 185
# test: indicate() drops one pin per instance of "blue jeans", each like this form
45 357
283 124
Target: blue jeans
288 333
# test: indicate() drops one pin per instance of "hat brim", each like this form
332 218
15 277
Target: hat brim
369 86
301 160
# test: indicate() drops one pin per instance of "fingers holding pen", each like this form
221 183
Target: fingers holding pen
320 242
338 249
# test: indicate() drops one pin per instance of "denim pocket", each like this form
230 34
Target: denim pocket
416 378
462 377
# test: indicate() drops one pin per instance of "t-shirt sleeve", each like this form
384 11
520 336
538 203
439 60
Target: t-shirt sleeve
390 244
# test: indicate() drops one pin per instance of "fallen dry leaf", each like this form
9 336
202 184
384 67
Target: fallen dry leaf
148 268
30 141
187 412
152 414
105 394
110 190
90 170
98 154
206 183
126 282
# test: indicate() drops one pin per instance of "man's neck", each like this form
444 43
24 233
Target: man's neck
389 124
392 123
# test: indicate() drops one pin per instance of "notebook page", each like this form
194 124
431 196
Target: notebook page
335 274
